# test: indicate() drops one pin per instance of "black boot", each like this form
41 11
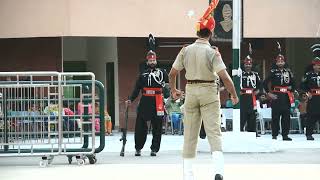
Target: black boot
310 138
138 153
153 153
218 177
286 138
257 135
274 137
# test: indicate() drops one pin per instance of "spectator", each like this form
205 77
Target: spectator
264 101
174 111
107 118
294 110
69 123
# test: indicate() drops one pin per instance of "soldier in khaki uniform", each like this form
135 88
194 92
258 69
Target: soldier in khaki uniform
204 66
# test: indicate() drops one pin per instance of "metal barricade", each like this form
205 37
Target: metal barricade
48 114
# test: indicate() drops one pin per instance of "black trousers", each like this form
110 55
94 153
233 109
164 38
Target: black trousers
249 117
312 119
304 120
141 131
313 114
284 113
247 113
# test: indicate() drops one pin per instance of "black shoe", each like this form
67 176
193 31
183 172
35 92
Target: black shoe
274 137
310 138
218 177
138 153
286 138
153 153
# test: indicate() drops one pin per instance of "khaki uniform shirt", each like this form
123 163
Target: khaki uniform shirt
200 60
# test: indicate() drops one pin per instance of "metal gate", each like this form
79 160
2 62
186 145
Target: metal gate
49 113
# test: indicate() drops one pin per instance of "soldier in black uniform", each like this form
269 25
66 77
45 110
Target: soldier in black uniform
150 83
282 86
250 85
311 85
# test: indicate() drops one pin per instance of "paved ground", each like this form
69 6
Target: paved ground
290 160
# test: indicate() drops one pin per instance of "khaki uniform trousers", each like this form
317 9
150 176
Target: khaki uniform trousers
202 103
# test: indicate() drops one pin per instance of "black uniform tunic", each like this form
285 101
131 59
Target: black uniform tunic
249 80
311 83
281 105
150 78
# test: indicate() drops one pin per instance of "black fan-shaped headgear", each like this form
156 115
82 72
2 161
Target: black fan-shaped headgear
151 43
248 58
316 53
279 56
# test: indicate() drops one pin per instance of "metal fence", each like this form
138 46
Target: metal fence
49 113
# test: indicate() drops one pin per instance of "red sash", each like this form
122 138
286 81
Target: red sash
157 92
284 89
250 92
315 92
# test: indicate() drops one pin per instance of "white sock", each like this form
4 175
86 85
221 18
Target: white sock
187 165
218 162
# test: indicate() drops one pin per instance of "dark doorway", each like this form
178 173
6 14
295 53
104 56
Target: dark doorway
110 91
74 66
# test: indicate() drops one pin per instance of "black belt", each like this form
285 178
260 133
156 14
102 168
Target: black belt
198 81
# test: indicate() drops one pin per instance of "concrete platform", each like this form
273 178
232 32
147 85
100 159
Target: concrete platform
232 143
295 160
161 172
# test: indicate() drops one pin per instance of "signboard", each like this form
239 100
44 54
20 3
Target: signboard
223 17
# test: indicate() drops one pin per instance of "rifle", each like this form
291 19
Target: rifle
124 132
